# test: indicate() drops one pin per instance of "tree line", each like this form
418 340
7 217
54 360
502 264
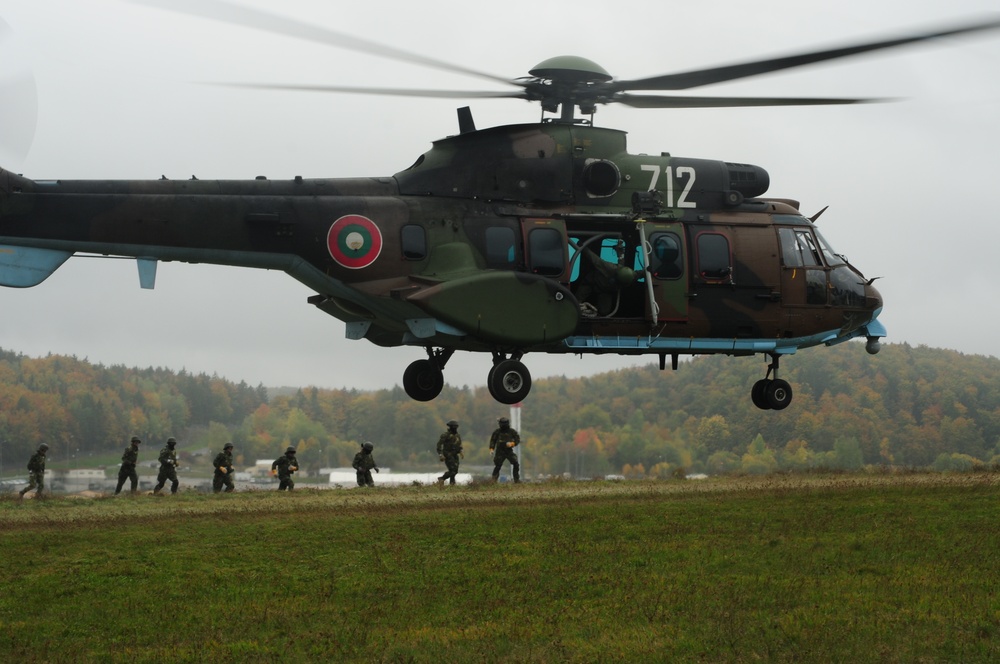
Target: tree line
907 406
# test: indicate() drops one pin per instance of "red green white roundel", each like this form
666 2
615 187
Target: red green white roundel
354 241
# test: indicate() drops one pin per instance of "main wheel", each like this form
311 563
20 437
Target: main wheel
509 381
779 394
758 394
423 380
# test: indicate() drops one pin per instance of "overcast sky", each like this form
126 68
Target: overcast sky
911 185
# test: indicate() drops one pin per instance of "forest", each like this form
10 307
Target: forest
907 407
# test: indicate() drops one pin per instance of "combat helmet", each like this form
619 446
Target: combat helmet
367 447
290 450
503 421
171 441
44 447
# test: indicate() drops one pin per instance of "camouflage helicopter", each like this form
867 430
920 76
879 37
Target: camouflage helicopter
546 237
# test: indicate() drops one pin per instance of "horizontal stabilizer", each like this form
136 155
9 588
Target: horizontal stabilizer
22 267
147 272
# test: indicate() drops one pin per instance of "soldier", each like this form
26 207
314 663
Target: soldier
36 472
127 471
449 449
365 464
168 467
223 470
285 465
502 444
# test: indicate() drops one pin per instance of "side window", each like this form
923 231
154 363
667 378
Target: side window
666 257
501 251
714 261
798 248
414 242
546 252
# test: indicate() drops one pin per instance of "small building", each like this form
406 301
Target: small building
348 477
74 480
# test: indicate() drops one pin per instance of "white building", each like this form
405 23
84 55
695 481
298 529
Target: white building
348 477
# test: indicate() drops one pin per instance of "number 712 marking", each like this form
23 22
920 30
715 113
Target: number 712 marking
685 173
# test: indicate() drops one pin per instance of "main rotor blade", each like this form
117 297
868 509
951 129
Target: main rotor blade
226 12
670 101
393 92
692 79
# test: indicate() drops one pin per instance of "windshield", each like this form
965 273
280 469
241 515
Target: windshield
832 258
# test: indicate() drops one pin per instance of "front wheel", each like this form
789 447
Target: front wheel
423 380
758 394
509 381
779 394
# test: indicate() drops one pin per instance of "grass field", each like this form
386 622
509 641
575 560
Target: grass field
880 568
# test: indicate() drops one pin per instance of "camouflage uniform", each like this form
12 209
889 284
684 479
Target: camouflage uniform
449 449
364 463
502 444
286 464
223 470
127 471
36 471
168 467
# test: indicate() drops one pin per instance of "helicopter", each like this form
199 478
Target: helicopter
533 238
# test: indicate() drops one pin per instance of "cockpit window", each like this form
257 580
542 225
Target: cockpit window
798 248
833 259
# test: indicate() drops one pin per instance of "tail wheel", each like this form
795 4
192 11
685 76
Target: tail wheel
778 394
509 381
423 380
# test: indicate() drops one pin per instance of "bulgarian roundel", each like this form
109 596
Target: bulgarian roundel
354 241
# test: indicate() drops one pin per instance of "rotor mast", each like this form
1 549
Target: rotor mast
567 81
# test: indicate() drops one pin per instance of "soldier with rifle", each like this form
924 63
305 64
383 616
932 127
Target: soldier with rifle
449 449
168 467
127 471
224 470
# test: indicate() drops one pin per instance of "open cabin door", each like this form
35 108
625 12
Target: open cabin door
618 270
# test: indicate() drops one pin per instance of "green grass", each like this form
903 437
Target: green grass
846 568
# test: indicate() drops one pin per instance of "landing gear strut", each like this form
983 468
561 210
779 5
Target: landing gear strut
508 381
771 393
423 380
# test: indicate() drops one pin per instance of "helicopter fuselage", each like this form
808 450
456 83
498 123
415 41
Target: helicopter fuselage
528 238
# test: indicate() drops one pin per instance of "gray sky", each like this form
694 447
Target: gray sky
909 184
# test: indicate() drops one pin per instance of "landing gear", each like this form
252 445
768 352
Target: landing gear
771 393
423 380
509 380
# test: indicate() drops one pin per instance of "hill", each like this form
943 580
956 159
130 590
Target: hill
911 407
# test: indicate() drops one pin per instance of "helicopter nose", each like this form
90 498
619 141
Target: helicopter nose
874 330
873 299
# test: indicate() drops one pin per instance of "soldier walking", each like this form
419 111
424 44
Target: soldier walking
36 472
364 464
127 471
223 470
168 467
285 465
449 449
502 444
